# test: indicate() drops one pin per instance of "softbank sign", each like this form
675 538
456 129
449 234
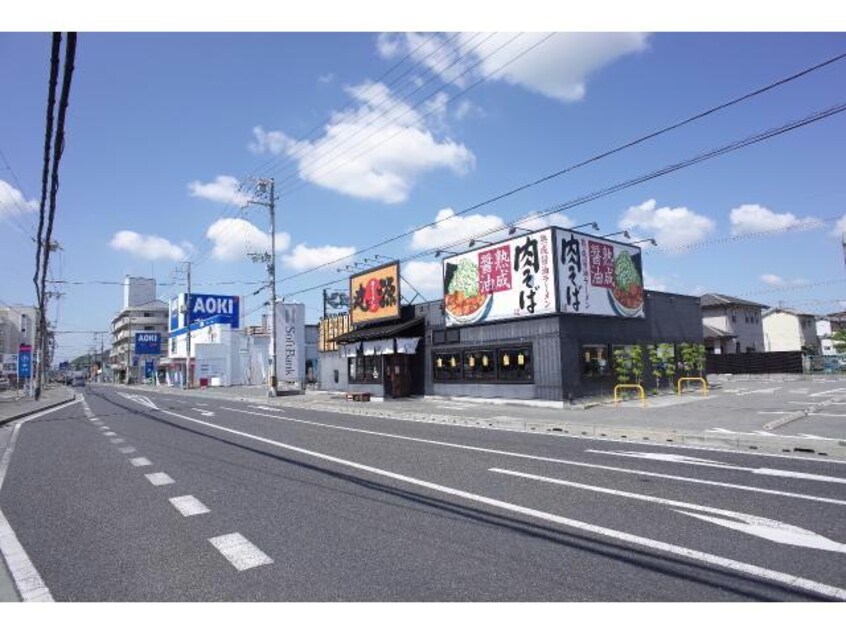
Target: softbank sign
204 307
290 342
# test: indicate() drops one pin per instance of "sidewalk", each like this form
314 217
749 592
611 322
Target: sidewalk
667 420
15 405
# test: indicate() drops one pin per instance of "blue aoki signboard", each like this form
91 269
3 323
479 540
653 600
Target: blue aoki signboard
201 307
148 343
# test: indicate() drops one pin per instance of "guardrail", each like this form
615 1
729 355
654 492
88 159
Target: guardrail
692 378
631 386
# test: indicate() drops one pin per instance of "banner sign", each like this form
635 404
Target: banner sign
25 361
375 295
514 278
599 277
204 307
148 343
331 327
290 342
149 369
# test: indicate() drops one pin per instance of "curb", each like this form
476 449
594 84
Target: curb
14 417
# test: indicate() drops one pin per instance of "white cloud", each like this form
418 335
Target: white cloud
451 229
839 228
425 277
224 189
328 78
558 67
13 202
235 238
376 150
754 218
305 257
672 227
149 247
654 283
770 279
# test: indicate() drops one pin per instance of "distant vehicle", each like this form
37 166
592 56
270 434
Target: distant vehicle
78 379
4 383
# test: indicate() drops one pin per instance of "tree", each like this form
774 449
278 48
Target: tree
839 340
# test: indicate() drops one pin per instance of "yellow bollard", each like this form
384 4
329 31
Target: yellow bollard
633 386
693 378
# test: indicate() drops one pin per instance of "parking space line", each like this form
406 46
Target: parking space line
140 462
127 449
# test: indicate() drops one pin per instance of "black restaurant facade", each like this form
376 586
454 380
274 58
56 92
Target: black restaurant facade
533 317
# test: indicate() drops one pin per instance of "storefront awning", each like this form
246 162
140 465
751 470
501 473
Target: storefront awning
378 332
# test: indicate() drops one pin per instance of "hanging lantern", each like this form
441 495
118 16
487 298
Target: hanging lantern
439 362
452 362
506 360
521 360
472 362
484 361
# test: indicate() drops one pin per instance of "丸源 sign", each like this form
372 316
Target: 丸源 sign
598 277
375 294
515 278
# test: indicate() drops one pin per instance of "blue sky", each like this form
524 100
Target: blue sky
162 125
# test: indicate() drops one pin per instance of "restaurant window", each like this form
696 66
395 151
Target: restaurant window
438 336
479 365
447 366
595 361
514 364
365 369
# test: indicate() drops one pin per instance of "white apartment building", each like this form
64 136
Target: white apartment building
17 326
732 325
146 316
786 330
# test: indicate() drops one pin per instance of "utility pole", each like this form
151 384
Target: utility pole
188 326
262 187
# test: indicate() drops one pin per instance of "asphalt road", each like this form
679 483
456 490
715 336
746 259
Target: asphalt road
301 505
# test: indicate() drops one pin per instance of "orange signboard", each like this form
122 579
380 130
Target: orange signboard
375 294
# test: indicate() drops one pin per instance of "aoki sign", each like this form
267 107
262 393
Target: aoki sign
204 307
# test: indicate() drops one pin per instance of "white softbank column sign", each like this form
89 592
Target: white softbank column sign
290 342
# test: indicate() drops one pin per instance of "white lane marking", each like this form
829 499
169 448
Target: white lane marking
189 505
825 414
756 433
203 412
826 404
679 551
28 582
239 551
780 412
661 457
110 433
95 419
117 441
159 479
573 463
762 527
815 394
127 449
140 462
138 398
766 390
266 408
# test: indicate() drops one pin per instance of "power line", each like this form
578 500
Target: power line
597 157
705 156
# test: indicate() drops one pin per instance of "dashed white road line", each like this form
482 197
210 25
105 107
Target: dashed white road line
140 462
127 449
159 479
188 505
239 551
117 441
109 433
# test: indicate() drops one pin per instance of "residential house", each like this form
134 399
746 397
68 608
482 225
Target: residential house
731 325
786 329
826 326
